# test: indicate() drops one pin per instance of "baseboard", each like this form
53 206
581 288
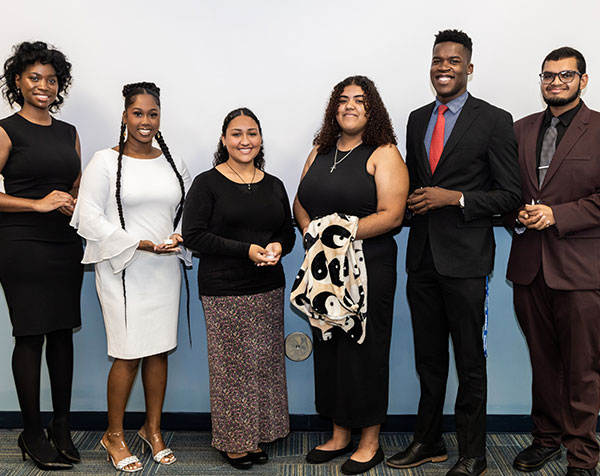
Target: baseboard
172 421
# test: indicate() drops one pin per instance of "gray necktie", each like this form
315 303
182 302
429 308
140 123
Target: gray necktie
548 149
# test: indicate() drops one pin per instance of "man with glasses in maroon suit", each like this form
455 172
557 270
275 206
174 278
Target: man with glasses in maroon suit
555 266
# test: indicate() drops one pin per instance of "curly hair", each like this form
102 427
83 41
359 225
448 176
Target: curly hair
455 36
130 91
26 54
221 155
378 131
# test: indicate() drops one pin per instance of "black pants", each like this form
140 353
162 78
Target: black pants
443 307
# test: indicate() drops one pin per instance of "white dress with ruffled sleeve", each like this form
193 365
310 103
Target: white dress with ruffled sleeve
150 194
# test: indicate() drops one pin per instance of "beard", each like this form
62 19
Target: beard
558 102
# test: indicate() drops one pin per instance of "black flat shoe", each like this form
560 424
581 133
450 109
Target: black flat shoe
258 457
55 464
65 448
316 456
245 462
356 467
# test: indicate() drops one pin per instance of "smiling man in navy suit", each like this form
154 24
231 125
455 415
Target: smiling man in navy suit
555 266
461 154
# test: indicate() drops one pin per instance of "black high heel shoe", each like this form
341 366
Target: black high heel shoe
55 464
68 451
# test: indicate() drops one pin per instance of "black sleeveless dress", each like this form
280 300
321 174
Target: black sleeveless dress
40 254
352 380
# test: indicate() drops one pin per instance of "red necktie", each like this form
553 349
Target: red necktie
437 139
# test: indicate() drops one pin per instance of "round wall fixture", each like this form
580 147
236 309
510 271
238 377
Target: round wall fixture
298 346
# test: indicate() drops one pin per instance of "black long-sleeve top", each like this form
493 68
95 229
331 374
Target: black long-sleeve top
221 219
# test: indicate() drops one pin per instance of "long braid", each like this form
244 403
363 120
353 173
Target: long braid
167 153
119 170
120 206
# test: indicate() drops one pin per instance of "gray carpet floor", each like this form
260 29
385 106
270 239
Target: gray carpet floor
196 457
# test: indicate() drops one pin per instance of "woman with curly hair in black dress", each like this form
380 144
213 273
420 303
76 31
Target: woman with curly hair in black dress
40 253
355 169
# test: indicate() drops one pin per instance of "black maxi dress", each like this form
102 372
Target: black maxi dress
40 254
352 380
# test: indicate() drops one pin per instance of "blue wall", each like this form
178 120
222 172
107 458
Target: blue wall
508 362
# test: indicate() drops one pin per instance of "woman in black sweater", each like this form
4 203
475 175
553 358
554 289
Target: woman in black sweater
237 218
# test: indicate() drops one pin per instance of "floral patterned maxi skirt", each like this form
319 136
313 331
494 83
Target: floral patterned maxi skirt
248 391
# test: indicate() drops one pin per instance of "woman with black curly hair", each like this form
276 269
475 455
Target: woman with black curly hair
40 254
129 211
238 218
355 169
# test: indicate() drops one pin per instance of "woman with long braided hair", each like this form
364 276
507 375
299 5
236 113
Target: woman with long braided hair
129 211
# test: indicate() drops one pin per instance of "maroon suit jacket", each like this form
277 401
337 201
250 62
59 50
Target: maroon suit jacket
569 252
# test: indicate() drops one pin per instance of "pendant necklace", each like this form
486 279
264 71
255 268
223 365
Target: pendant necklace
249 185
336 162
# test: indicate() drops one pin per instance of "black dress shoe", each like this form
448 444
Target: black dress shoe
316 456
534 457
258 457
356 467
418 453
245 462
580 471
469 467
63 443
55 464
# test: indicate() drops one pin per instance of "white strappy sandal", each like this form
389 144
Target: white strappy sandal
127 461
158 457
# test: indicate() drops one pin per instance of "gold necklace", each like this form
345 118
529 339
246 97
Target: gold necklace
249 185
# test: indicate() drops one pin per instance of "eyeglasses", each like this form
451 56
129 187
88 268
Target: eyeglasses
565 76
